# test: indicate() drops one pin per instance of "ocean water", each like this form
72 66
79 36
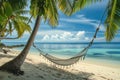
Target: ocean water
99 50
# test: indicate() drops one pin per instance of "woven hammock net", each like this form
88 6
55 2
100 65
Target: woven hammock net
63 62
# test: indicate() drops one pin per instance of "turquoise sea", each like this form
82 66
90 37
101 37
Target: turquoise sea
99 50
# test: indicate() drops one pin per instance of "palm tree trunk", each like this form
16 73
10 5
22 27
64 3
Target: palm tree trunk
14 65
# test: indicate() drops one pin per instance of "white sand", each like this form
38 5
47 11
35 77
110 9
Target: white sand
36 68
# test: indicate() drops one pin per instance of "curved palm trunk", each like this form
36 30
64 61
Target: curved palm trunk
14 65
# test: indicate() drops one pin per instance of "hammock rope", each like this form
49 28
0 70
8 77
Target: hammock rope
70 61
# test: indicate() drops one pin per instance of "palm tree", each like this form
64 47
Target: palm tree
39 9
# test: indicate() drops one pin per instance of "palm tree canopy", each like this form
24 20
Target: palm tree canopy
12 18
48 9
16 4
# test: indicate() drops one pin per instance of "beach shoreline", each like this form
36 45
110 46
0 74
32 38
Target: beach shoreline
37 68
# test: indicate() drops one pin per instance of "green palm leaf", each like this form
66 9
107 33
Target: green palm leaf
12 19
7 8
34 8
79 4
18 4
65 6
21 27
51 12
113 20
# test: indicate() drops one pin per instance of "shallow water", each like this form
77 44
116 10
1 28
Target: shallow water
107 51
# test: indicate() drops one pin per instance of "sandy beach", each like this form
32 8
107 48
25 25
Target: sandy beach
37 68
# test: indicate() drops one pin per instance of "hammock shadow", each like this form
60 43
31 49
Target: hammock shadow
56 74
68 75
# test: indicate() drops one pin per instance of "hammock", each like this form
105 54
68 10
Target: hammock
70 61
63 62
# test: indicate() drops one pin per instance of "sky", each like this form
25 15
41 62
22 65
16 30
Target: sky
80 27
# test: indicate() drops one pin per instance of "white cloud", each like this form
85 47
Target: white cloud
102 28
66 35
80 16
46 37
86 38
80 34
81 19
62 36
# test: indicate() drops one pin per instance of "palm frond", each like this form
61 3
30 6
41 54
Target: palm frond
10 28
65 6
21 11
18 4
3 20
113 20
7 9
45 8
51 12
34 9
13 17
21 27
79 4
22 18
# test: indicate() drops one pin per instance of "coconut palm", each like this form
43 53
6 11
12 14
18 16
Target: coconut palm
39 9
